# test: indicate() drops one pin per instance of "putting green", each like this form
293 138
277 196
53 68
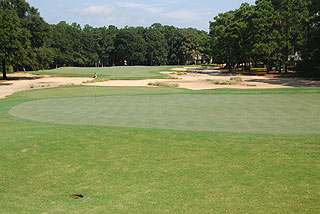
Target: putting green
270 113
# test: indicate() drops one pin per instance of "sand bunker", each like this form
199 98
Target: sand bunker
25 81
203 78
208 78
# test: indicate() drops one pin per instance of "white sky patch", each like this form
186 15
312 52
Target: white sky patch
94 10
187 15
132 12
106 21
142 22
141 6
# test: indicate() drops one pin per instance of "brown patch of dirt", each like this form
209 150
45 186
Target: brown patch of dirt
76 196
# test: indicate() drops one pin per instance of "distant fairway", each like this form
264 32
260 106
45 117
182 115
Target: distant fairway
116 72
286 114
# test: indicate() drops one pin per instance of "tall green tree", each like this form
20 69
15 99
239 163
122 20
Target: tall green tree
203 50
292 15
243 40
14 40
106 47
90 46
223 38
156 47
265 24
67 43
310 64
171 35
130 47
40 32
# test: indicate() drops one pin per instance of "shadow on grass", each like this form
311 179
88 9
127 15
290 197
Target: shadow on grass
23 78
5 83
293 82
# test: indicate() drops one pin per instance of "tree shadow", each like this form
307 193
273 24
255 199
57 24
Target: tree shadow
216 73
293 82
211 68
5 83
21 78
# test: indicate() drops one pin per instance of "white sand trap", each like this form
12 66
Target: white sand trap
25 81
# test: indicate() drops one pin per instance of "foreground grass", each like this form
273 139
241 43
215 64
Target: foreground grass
130 170
116 72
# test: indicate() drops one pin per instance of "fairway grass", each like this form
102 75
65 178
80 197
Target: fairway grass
152 170
111 73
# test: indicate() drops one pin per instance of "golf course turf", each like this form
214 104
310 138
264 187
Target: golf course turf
228 113
116 72
152 152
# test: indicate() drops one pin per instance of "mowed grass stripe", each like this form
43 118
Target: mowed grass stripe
277 113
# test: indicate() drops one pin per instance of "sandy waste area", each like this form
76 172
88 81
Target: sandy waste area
203 78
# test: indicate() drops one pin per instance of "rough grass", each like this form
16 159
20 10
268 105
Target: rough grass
131 170
231 81
164 84
117 72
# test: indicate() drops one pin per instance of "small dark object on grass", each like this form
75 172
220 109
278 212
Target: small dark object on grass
76 196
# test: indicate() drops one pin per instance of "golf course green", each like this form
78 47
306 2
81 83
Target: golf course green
282 113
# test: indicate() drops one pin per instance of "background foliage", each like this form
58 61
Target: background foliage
271 33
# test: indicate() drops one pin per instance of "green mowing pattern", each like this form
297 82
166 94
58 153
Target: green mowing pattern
282 113
134 170
117 72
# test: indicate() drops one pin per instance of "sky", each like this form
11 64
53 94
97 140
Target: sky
98 13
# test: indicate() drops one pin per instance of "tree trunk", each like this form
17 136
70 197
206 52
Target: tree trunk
280 67
4 70
287 51
286 68
268 68
230 64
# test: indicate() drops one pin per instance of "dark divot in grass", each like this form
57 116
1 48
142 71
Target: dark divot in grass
76 196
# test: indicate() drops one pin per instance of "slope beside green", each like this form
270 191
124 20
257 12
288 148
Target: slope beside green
135 170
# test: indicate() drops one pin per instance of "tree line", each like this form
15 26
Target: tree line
106 46
29 43
271 33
